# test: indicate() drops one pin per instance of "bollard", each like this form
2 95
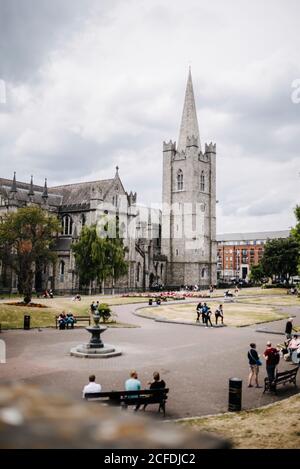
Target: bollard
150 302
235 394
26 323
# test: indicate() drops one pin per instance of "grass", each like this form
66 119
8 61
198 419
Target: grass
235 314
12 317
275 426
275 301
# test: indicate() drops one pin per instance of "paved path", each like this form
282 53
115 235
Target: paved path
195 362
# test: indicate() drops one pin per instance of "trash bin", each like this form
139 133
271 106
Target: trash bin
150 302
26 323
235 394
158 301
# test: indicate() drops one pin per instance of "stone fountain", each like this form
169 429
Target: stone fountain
95 348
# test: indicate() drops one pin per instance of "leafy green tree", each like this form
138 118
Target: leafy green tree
99 258
296 233
26 239
257 273
280 258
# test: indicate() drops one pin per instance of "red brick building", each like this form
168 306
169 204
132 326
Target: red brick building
237 252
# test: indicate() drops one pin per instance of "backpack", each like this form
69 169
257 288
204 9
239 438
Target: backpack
276 356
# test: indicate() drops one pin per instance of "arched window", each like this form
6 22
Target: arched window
203 273
179 180
61 271
202 181
67 225
83 219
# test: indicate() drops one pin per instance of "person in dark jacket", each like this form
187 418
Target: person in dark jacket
289 328
254 361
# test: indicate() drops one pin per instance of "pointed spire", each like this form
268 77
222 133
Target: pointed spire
14 184
189 122
31 192
45 192
117 171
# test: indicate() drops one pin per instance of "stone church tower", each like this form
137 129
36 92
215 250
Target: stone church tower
189 203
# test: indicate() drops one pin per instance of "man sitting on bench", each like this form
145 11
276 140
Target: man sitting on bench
133 384
157 383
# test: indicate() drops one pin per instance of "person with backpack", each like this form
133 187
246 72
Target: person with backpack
207 317
272 358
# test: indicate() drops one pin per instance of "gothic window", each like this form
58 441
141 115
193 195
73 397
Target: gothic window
67 225
203 273
83 219
61 271
202 181
179 180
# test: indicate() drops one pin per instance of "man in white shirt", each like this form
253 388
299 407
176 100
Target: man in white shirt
91 387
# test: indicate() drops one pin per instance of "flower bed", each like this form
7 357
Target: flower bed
29 305
167 295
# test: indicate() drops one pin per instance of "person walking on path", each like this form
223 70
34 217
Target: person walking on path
289 328
219 314
254 363
272 358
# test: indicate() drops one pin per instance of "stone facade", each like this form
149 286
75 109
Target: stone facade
189 203
77 205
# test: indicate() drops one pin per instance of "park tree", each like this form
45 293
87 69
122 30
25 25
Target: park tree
99 258
26 239
280 258
257 273
295 232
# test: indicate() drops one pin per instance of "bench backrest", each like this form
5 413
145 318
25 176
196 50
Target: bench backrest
283 375
119 395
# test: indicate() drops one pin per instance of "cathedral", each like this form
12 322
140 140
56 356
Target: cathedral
173 246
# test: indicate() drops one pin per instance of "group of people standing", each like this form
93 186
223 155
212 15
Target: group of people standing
205 312
272 357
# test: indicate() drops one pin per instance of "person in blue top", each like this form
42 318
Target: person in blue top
133 384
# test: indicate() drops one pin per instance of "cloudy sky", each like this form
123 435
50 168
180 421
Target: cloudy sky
91 84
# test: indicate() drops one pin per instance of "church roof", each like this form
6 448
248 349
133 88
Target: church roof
189 122
21 190
82 192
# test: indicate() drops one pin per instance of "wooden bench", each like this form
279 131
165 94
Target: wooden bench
282 377
128 398
77 318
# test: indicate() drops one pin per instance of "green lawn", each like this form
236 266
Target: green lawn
12 317
275 426
235 314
